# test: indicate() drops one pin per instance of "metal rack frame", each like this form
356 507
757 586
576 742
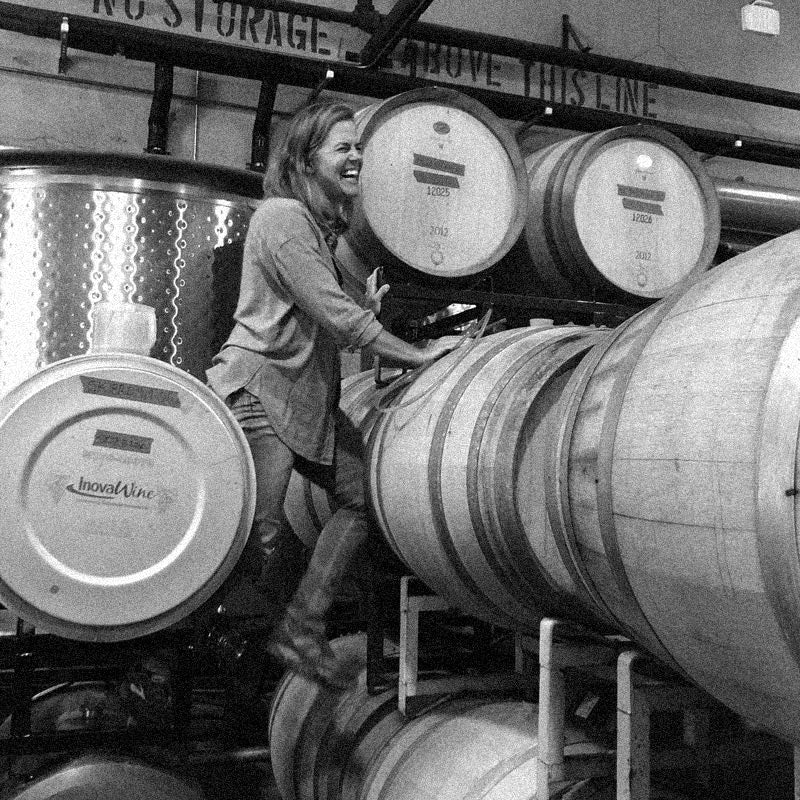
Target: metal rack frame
564 650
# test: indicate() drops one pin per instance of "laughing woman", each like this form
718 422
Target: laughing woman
279 370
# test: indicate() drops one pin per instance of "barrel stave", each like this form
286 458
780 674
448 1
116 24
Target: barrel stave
509 476
424 496
407 485
480 548
584 442
682 408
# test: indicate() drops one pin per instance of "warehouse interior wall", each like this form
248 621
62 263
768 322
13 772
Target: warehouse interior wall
102 102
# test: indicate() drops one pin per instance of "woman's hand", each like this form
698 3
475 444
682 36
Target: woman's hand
398 353
373 294
433 349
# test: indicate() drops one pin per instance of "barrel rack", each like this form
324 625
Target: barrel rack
515 309
204 664
545 666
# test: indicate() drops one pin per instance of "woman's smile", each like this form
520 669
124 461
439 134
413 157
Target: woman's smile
336 165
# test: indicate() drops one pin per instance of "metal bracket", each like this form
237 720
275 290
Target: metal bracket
63 59
410 608
568 32
259 149
637 698
158 121
22 680
554 658
314 94
391 30
408 686
366 16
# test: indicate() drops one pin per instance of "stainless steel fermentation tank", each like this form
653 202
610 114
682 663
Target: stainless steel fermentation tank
78 228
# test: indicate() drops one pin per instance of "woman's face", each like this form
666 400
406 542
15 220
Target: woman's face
336 165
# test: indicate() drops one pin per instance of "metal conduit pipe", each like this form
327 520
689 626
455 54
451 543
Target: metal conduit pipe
710 143
757 208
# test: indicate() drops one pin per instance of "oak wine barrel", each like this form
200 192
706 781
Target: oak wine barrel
455 474
104 776
673 483
603 789
627 214
300 714
443 189
349 745
130 496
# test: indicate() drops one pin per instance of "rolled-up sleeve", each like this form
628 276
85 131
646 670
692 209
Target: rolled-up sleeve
305 275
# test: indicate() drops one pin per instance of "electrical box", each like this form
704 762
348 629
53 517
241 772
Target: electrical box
761 17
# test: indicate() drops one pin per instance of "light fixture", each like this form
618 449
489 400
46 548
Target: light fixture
760 17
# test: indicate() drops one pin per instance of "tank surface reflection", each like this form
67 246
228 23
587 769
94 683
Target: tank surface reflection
79 228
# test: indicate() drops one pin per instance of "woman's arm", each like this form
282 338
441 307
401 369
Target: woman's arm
402 354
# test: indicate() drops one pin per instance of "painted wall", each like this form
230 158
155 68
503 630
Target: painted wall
102 103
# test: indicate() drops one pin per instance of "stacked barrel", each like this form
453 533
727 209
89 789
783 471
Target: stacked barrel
355 746
641 479
444 189
627 214
450 197
352 745
129 496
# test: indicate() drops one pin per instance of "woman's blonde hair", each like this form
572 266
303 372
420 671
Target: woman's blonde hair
288 173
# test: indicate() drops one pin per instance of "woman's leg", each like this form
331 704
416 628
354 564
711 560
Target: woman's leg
349 526
273 547
338 541
271 537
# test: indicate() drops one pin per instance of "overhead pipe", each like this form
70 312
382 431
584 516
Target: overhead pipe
757 209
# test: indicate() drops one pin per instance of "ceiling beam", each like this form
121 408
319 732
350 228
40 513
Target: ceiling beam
392 29
100 36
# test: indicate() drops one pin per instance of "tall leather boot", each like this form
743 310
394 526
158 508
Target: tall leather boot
298 640
282 563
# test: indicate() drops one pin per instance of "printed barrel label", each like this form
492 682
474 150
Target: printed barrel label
439 189
640 216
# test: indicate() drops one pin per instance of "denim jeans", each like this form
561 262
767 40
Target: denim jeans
274 461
